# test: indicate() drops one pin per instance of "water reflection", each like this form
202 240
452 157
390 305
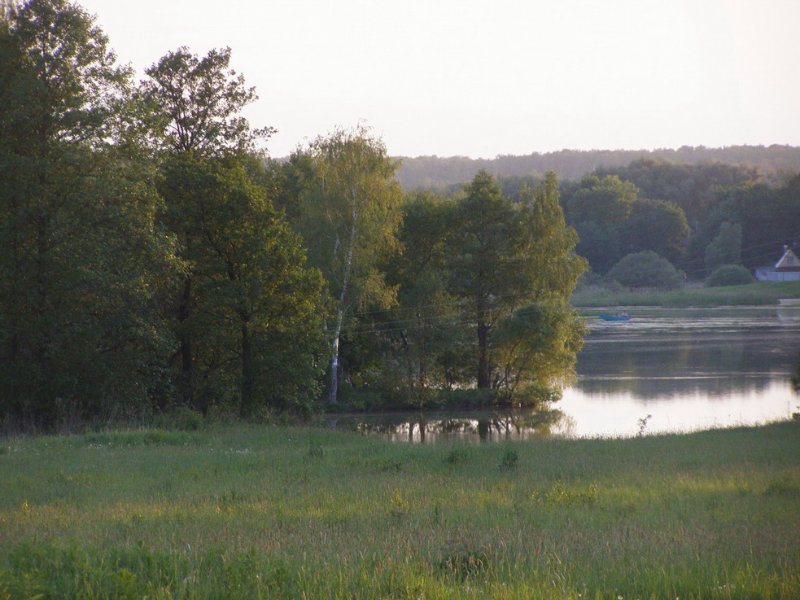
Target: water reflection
713 353
473 426
662 371
688 370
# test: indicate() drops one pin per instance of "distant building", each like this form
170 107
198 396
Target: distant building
786 269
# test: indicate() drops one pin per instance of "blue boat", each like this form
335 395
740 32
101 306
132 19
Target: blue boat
619 317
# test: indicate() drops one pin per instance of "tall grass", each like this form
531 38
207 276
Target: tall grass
753 294
247 512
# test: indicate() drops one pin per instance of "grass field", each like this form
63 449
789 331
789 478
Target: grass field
753 294
271 512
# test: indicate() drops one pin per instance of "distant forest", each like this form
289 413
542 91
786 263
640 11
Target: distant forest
699 208
433 172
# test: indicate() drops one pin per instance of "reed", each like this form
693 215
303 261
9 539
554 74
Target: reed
278 512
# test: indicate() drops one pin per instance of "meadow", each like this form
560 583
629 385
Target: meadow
753 294
245 511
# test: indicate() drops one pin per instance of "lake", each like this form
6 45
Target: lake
665 370
684 370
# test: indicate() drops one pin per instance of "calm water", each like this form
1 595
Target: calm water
683 371
663 371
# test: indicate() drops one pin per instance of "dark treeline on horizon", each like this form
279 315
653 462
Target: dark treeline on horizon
437 172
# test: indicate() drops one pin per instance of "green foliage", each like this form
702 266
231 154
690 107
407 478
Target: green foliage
754 294
349 219
729 275
726 248
646 269
254 326
502 256
692 187
612 220
195 104
768 217
510 460
658 226
81 333
246 312
536 351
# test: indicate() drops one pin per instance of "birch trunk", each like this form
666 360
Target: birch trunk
337 331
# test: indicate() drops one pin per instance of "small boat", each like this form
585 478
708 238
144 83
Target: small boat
619 317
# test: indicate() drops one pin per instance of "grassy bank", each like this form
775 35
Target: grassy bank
246 512
753 294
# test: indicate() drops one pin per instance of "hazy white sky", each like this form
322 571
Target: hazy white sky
481 78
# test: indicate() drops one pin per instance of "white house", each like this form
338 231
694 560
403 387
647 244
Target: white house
786 269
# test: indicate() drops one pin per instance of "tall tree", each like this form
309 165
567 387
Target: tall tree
245 279
537 344
195 104
487 267
658 226
425 345
505 255
253 323
80 336
350 217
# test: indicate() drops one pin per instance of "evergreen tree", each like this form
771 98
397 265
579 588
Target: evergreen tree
506 255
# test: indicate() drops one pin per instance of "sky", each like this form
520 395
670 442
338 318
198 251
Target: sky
483 78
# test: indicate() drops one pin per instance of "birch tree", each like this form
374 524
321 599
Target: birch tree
351 213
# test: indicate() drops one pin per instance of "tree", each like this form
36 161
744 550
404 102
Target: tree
537 344
246 313
646 269
598 210
612 221
195 105
81 336
351 212
658 226
536 351
425 346
487 268
505 255
254 313
725 248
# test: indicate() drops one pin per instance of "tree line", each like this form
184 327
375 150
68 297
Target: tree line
437 172
698 217
156 260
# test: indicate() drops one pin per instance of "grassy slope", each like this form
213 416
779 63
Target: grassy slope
739 295
246 512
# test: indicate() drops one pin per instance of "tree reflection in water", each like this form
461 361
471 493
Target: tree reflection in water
477 426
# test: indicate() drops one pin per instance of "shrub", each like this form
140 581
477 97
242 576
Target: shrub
729 275
646 269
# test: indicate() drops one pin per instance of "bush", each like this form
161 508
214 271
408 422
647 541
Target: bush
729 275
646 269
